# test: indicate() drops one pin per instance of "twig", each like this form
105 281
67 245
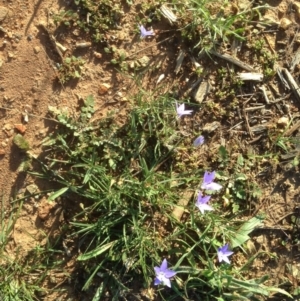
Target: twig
292 129
263 89
255 139
235 126
233 60
281 98
246 117
149 47
53 41
254 108
268 42
292 83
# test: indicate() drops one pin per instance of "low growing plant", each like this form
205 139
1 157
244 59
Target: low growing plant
128 186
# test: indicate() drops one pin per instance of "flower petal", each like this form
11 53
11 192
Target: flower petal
164 265
157 270
167 282
209 177
170 273
157 281
204 207
198 141
226 259
145 32
203 199
211 186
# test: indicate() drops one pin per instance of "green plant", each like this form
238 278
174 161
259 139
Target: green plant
213 22
129 189
15 275
24 146
71 68
91 16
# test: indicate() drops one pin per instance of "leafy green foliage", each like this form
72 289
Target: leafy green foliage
242 234
127 179
21 142
23 145
213 22
91 16
71 68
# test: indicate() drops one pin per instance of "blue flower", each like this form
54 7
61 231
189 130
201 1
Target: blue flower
223 254
198 141
145 33
163 274
208 183
201 203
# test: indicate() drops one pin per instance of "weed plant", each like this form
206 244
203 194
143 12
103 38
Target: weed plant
91 16
209 23
21 275
126 180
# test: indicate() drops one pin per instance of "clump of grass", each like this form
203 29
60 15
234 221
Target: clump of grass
209 23
128 184
17 279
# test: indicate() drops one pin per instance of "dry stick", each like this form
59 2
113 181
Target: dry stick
268 42
53 41
233 60
263 89
292 129
255 139
149 46
292 83
254 108
239 123
246 118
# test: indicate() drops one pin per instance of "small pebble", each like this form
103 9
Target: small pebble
36 49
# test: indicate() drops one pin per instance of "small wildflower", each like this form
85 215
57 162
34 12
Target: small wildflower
181 110
223 254
198 141
201 203
163 274
145 33
208 183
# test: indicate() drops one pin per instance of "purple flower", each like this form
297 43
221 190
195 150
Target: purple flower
201 203
198 141
208 183
163 274
181 110
223 254
145 33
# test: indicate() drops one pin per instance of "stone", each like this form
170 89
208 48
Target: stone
283 121
285 23
202 91
103 88
20 128
36 49
4 12
32 188
211 127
